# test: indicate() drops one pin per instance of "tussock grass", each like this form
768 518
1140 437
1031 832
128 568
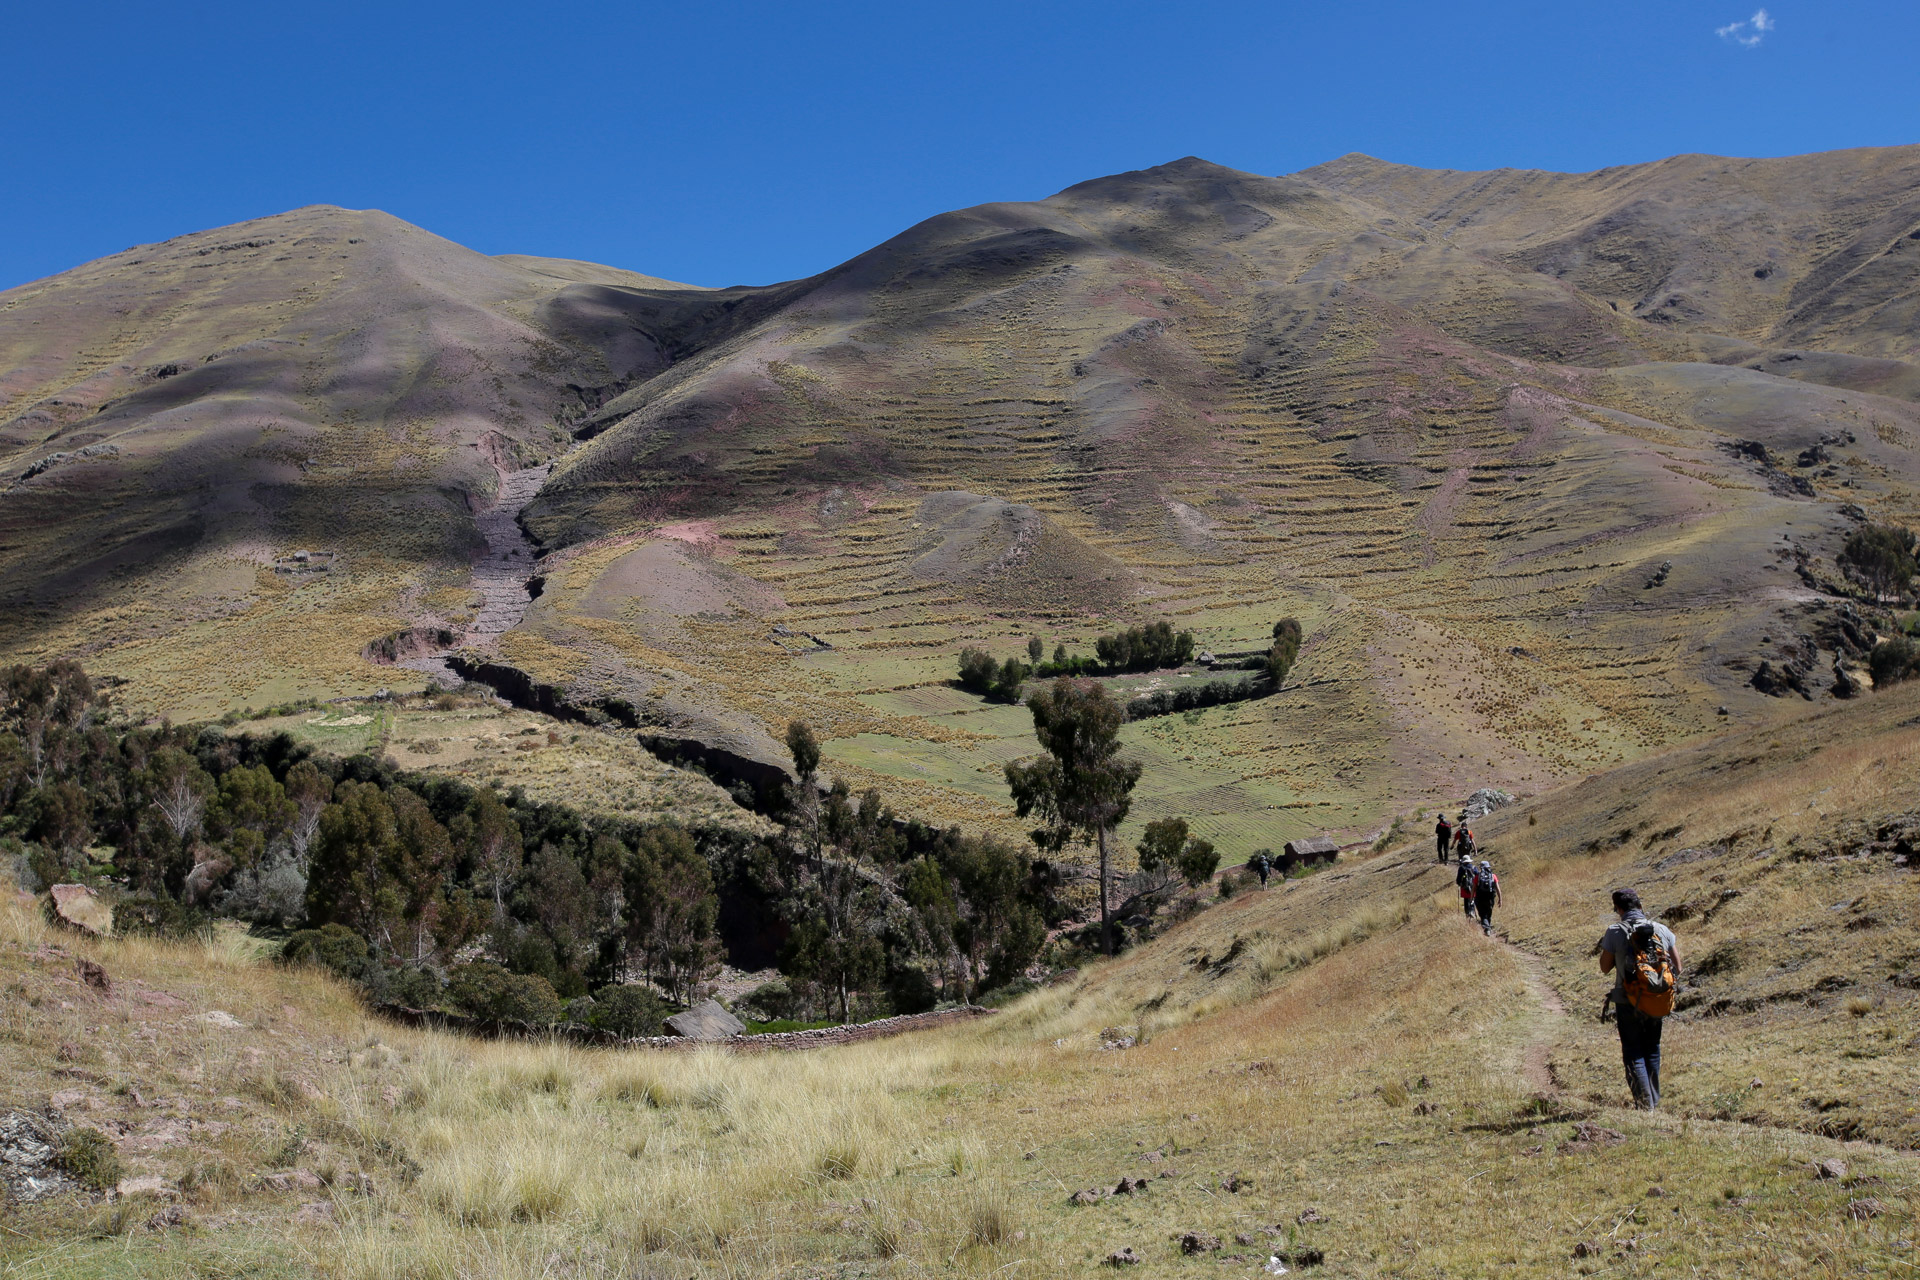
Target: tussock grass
1344 1043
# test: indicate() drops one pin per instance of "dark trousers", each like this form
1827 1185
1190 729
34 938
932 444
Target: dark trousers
1639 1052
1483 902
1444 840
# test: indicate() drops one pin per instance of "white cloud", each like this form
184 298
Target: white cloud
1749 33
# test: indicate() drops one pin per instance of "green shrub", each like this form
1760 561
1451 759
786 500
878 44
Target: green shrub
90 1158
628 1010
1894 659
1285 650
332 946
415 986
1238 880
157 916
980 674
1883 555
488 991
775 999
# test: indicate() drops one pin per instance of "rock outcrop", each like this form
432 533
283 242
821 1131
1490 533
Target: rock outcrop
708 1020
81 908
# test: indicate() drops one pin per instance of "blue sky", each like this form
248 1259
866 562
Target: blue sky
725 143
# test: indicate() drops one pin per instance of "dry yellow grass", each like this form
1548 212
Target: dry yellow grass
1342 1044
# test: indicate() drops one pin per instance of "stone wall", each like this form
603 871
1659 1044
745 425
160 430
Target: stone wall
774 1042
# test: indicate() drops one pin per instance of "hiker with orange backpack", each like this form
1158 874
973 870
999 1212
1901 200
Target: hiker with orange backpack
1645 961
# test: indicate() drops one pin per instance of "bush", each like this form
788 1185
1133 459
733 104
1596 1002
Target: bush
486 990
160 917
980 674
628 1010
1286 648
1894 659
333 947
1198 861
274 893
773 1000
1237 881
415 986
89 1156
910 990
977 671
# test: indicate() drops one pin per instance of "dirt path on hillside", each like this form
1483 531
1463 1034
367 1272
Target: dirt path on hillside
1537 1063
501 574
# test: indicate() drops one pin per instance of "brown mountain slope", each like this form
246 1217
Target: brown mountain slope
1819 251
176 416
1186 392
1253 396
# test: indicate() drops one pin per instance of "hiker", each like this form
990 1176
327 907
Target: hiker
1486 895
1442 836
1644 960
1463 844
1262 866
1464 878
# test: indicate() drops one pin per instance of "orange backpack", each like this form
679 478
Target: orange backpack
1649 982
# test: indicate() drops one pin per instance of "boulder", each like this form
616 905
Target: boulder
1198 1242
1123 1257
82 908
1485 801
93 975
708 1020
1830 1169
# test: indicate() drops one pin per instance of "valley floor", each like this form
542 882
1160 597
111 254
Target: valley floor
1335 1069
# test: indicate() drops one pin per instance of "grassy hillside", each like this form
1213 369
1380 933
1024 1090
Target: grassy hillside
1223 398
1337 1065
1455 423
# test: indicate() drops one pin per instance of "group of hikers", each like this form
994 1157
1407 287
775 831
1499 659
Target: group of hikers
1479 886
1642 955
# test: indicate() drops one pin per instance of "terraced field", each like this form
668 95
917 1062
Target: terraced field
1545 470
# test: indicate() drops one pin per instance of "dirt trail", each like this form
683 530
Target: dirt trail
501 575
1537 1062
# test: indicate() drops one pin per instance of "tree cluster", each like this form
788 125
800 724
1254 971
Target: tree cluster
187 823
881 914
1001 681
1194 697
432 893
1883 556
1149 648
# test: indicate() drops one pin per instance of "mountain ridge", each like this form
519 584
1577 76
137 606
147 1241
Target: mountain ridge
1215 395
